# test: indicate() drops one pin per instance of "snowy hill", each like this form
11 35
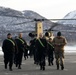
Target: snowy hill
71 15
23 21
68 27
19 21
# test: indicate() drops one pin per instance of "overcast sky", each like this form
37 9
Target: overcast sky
51 9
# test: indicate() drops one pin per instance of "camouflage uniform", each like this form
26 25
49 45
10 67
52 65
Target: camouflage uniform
59 42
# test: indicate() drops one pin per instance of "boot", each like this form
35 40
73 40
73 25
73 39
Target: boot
5 66
19 67
62 67
43 67
10 68
57 66
52 62
16 65
25 57
40 67
49 64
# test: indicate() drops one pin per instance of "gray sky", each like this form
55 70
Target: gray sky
50 9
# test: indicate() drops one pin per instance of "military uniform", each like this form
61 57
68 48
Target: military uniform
50 53
26 52
21 44
33 50
59 42
41 45
8 48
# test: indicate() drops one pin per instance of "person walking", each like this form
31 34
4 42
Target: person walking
50 52
21 45
41 45
8 48
59 42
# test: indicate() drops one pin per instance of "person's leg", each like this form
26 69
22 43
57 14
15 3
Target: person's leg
43 62
49 63
11 59
16 60
20 60
57 59
5 60
57 63
51 58
62 63
40 62
62 59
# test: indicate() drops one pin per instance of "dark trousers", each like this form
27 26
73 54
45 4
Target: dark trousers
26 54
42 60
19 58
35 55
50 59
8 58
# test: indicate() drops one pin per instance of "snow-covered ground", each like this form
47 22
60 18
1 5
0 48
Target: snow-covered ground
1 53
68 49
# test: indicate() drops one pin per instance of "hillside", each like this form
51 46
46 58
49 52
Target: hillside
19 21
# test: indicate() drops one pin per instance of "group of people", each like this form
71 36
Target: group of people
39 48
13 50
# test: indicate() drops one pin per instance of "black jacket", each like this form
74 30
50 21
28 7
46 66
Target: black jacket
41 49
8 46
21 44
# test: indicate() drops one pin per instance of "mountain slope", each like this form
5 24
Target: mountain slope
19 21
23 21
71 15
68 27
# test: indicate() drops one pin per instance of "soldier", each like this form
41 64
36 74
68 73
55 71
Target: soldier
33 50
50 52
26 52
59 43
8 48
21 44
41 45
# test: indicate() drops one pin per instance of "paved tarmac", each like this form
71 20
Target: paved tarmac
28 68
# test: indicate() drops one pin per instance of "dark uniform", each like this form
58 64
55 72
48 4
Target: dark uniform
21 44
41 45
50 52
33 50
26 51
8 48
